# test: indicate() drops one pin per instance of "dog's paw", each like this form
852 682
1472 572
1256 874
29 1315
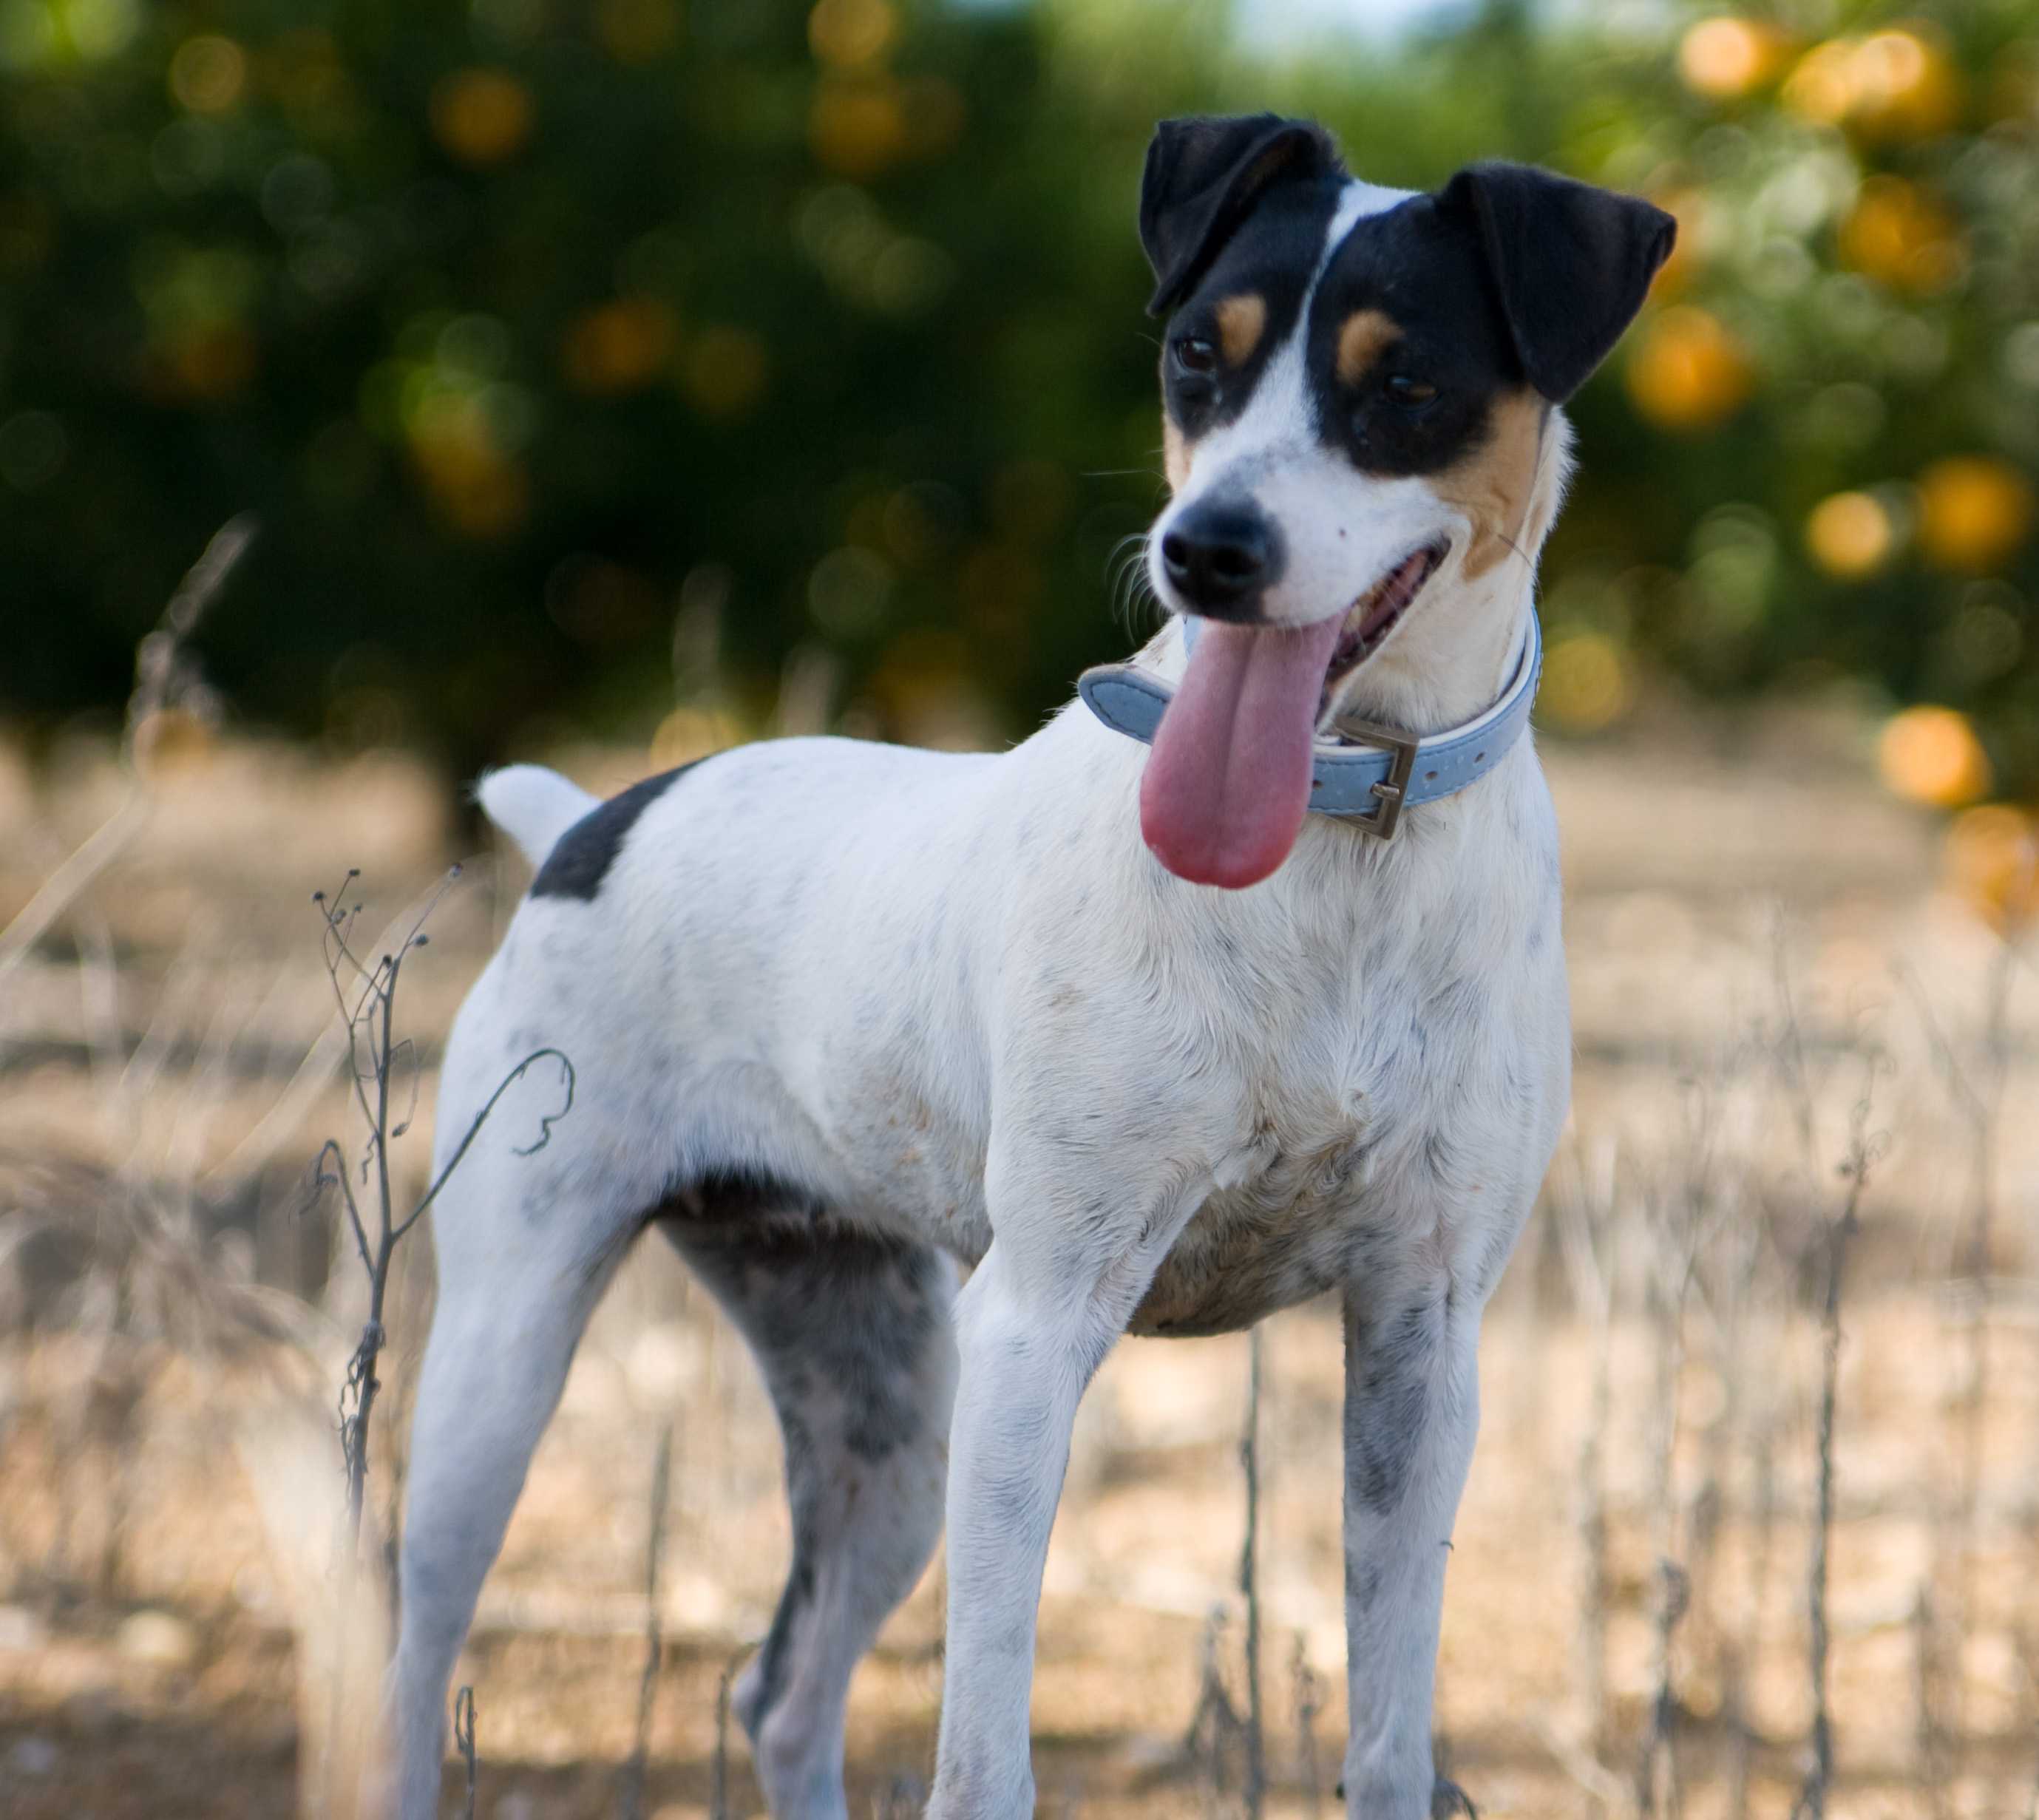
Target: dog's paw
1448 1799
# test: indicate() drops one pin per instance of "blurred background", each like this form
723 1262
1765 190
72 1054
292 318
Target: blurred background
588 361
611 380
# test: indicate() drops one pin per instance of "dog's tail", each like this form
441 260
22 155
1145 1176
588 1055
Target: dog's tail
532 805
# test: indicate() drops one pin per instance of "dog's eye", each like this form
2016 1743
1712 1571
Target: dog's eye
1406 388
1194 355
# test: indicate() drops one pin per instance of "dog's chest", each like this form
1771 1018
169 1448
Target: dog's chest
1419 1113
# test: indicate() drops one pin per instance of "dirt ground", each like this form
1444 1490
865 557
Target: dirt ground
1745 935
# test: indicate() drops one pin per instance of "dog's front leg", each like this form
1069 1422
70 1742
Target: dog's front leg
1061 1281
1411 1413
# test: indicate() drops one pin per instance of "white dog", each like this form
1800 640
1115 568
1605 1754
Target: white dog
846 1017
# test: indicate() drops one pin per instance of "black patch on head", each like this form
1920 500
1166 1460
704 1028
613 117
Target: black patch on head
582 857
1204 174
1571 263
1271 253
1423 269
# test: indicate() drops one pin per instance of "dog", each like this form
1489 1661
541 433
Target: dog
1158 1038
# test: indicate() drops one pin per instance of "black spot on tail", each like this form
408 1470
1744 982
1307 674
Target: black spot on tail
577 865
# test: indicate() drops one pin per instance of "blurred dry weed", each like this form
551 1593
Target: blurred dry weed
1752 1483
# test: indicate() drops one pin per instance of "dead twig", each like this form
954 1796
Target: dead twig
718 1798
463 1742
164 678
1255 1791
1863 1151
631 1805
367 997
1309 1702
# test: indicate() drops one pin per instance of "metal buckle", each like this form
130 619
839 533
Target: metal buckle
1393 789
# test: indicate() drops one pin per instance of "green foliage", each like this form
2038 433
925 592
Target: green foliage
535 328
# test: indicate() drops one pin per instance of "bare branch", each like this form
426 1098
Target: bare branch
323 1177
463 1741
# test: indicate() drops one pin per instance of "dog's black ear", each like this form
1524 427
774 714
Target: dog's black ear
1571 264
1203 175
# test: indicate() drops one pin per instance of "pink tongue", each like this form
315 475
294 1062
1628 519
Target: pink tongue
1228 783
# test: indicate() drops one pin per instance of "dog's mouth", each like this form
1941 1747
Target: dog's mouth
1372 619
1229 781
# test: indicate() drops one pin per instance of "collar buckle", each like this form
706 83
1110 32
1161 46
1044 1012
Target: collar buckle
1392 791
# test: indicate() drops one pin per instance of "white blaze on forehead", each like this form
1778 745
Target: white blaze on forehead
1357 201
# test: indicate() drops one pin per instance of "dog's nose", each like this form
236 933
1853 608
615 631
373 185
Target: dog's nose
1219 558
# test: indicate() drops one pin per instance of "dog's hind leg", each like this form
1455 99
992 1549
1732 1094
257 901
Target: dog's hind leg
852 1332
522 1261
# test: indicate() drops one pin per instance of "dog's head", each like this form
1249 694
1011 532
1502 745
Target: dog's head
1359 387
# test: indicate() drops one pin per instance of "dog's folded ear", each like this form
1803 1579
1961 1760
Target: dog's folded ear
1571 263
1203 175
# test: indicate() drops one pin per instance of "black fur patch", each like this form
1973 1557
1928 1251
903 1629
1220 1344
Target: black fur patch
1388 1404
1423 269
1272 256
577 865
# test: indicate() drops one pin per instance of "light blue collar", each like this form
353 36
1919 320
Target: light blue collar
1367 783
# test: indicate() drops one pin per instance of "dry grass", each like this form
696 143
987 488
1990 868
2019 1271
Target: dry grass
1627 1626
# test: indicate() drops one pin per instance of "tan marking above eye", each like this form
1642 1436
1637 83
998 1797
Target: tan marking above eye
1361 338
1493 484
1241 321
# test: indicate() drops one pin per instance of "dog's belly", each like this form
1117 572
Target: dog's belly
1239 1261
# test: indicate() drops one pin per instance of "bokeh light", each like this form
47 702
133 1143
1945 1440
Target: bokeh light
481 116
1992 863
1849 535
849 33
1898 234
1895 85
1931 755
1587 684
1726 58
208 73
1974 512
1686 371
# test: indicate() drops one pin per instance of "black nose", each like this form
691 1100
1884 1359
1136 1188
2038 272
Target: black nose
1219 558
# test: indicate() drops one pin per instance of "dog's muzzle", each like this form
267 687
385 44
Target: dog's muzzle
1369 782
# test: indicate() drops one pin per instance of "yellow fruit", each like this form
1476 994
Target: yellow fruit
1896 233
1688 207
858 128
1897 84
1849 535
847 32
479 489
1993 862
1687 371
1725 58
618 346
481 116
1931 755
1974 512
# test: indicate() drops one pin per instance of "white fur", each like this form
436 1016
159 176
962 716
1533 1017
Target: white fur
955 999
532 805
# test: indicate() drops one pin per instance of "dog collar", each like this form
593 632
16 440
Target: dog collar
1367 783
